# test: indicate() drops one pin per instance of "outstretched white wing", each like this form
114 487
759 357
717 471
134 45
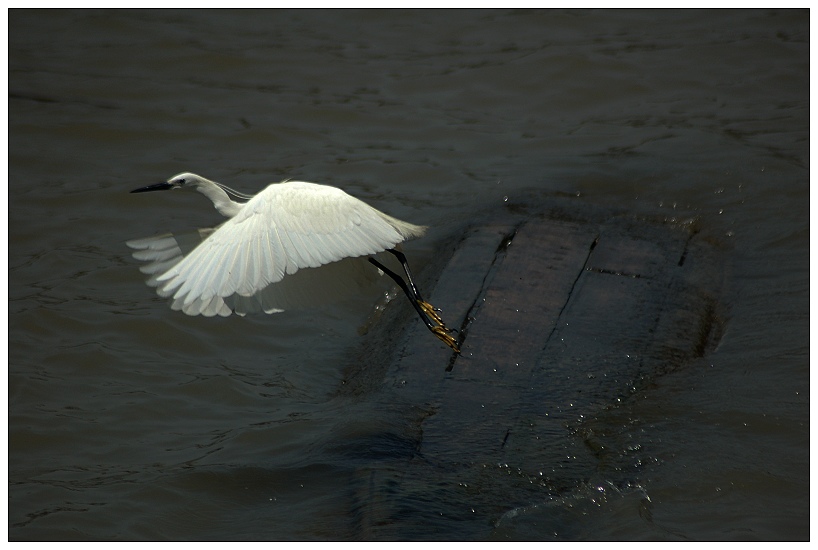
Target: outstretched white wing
241 265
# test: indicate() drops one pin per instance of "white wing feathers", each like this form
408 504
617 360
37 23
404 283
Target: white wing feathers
285 228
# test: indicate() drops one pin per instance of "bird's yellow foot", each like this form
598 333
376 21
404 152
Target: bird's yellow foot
443 333
441 330
431 312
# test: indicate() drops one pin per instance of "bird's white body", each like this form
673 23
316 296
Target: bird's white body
285 228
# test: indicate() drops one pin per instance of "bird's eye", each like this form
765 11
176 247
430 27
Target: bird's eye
181 181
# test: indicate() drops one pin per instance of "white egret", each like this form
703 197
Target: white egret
265 247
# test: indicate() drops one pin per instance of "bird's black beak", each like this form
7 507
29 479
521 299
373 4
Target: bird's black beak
155 187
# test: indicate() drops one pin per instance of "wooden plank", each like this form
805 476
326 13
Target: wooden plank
520 310
412 363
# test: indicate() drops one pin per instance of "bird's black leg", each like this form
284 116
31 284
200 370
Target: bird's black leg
437 327
410 292
428 308
405 265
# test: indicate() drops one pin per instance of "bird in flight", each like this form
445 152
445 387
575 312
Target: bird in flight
272 243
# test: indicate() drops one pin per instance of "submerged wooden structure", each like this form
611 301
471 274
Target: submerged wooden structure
564 311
